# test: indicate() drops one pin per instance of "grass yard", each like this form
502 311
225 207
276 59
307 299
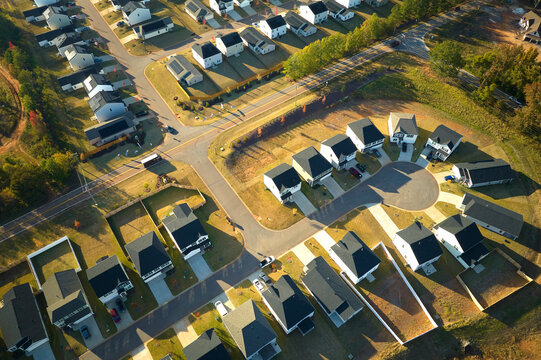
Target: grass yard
369 161
139 47
167 343
364 10
318 196
163 203
17 275
113 17
403 218
53 260
289 42
362 223
131 223
446 208
102 5
345 179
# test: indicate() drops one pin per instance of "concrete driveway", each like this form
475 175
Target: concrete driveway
125 320
213 23
248 10
95 333
44 352
160 290
384 159
200 266
234 15
406 155
303 203
421 160
333 187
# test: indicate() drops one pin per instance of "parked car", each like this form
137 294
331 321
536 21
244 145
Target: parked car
258 285
395 43
404 147
114 314
355 173
377 153
263 277
172 130
85 332
267 261
141 113
450 178
429 156
70 4
74 17
120 23
360 167
221 308
120 305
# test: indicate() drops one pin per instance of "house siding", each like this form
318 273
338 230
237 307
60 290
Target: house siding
229 51
272 33
443 148
349 3
274 189
307 13
110 111
360 145
346 269
331 157
311 181
207 62
138 16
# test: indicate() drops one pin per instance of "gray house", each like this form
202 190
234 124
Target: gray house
402 128
35 14
46 39
183 70
312 166
109 280
207 346
113 129
107 105
483 173
55 18
256 41
75 80
186 231
149 256
79 57
198 11
298 24
365 135
64 40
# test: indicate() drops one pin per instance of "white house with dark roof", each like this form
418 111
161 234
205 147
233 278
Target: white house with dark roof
483 173
491 216
443 141
198 11
298 25
64 40
135 13
315 12
365 135
251 331
206 54
273 27
75 80
462 238
118 4
242 3
289 305
230 44
95 83
79 57
402 128
109 280
40 3
256 41
185 229
331 292
154 28
35 14
149 256
531 25
349 3
207 346
282 181
222 7
55 18
337 11
107 105
47 38
183 70
20 320
418 246
338 150
311 166
355 259
111 130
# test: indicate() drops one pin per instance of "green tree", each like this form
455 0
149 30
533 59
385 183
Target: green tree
528 118
27 184
59 166
446 58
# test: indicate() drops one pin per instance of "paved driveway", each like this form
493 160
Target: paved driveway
234 15
384 159
95 333
160 290
248 10
213 23
200 266
421 160
44 352
406 155
333 187
303 203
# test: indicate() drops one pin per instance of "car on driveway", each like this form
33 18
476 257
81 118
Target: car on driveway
221 308
263 277
120 305
404 147
258 285
85 332
267 261
115 316
120 23
355 173
450 178
377 153
429 156
360 167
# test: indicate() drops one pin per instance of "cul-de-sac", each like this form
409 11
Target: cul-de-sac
270 179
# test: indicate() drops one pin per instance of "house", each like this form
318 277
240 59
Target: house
337 11
154 28
79 57
483 173
198 11
186 231
206 54
95 83
418 246
230 44
311 166
242 3
462 238
107 105
282 181
55 18
273 27
331 292
113 129
35 14
365 135
355 259
64 40
376 3
183 70
109 280
338 150
443 142
135 13
20 320
349 3
256 41
221 7
119 4
531 23
315 12
67 305
207 346
289 305
402 128
251 332
149 256
40 3
491 216
299 25
75 80
47 38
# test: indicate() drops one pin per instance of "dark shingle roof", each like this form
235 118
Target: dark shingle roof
490 213
97 79
252 36
312 161
147 253
479 172
276 21
206 347
341 145
106 275
287 301
111 127
330 290
474 254
184 226
358 257
233 38
103 98
65 40
50 35
284 176
333 6
132 6
466 231
35 11
249 328
404 123
205 50
366 131
155 25
64 295
422 241
294 20
20 318
317 7
445 136
77 77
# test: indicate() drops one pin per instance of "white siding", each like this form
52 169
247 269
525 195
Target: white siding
349 3
405 250
110 111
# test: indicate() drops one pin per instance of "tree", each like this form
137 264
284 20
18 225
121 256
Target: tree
59 166
446 58
27 184
528 118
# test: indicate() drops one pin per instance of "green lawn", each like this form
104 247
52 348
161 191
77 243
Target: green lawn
446 209
318 196
162 203
345 179
369 161
131 223
164 344
183 277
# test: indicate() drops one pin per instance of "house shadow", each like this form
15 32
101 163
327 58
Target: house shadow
530 268
510 310
165 166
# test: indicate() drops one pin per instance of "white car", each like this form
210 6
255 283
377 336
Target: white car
221 308
258 285
267 261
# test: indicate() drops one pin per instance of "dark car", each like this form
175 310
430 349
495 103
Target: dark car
85 332
377 153
70 4
404 147
457 8
120 305
114 314
355 173
395 43
360 167
141 113
120 23
429 156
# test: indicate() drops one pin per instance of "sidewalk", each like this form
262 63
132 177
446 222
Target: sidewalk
384 220
185 332
324 239
303 253
450 198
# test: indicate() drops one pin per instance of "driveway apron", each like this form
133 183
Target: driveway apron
160 290
333 187
303 203
200 266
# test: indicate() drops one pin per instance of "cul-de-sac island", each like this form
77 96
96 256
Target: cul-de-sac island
270 179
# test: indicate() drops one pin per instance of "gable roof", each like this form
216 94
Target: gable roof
114 126
103 98
184 226
490 213
466 231
474 254
147 253
479 172
294 20
404 123
206 347
64 295
249 328
106 275
422 241
50 35
35 11
96 80
196 8
312 161
534 21
77 77
287 301
181 68
445 136
63 40
205 50
275 21
358 257
330 290
341 145
317 7
132 6
231 39
252 36
333 6
284 176
20 318
73 49
366 131
155 25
